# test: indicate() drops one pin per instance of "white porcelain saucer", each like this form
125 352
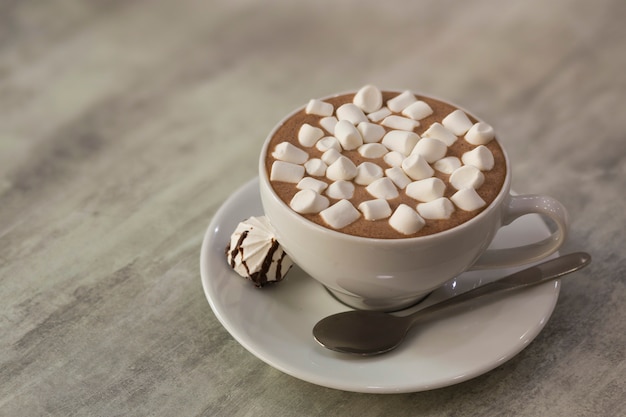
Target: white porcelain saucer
274 323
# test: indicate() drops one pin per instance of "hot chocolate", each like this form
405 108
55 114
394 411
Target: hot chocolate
385 164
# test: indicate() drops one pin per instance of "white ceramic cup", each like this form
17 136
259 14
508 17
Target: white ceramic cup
390 274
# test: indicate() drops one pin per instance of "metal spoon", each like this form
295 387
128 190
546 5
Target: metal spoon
368 333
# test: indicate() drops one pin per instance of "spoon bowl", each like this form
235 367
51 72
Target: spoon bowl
361 332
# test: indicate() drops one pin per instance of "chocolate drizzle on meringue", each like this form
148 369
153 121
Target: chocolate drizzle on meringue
260 277
253 251
237 249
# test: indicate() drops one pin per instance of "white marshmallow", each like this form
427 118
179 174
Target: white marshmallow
379 115
467 199
457 122
400 141
367 173
308 202
426 190
315 167
383 188
340 190
331 156
431 149
447 165
329 123
399 122
348 135
351 113
480 134
371 132
287 152
401 101
467 176
319 107
406 220
416 167
340 214
399 178
372 150
328 142
394 159
308 135
369 98
286 172
310 183
375 209
418 110
441 208
342 169
480 157
438 131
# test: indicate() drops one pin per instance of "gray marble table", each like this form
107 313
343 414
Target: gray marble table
124 125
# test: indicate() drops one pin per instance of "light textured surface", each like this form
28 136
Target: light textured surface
125 124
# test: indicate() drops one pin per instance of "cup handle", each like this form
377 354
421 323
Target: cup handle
519 206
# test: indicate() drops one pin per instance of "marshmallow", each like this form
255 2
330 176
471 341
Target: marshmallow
447 165
426 190
399 178
394 159
372 150
308 135
287 152
367 173
351 113
371 132
382 188
308 202
467 176
416 167
418 110
315 167
329 123
328 142
369 98
286 172
340 190
400 141
310 183
399 122
431 149
467 199
406 220
375 209
438 131
480 157
480 134
348 135
401 101
340 214
319 108
457 122
379 115
342 169
441 208
331 156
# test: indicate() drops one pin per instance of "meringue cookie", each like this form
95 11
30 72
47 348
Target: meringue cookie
255 254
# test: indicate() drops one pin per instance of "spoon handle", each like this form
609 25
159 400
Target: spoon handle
543 272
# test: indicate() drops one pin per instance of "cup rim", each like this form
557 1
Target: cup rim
265 181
